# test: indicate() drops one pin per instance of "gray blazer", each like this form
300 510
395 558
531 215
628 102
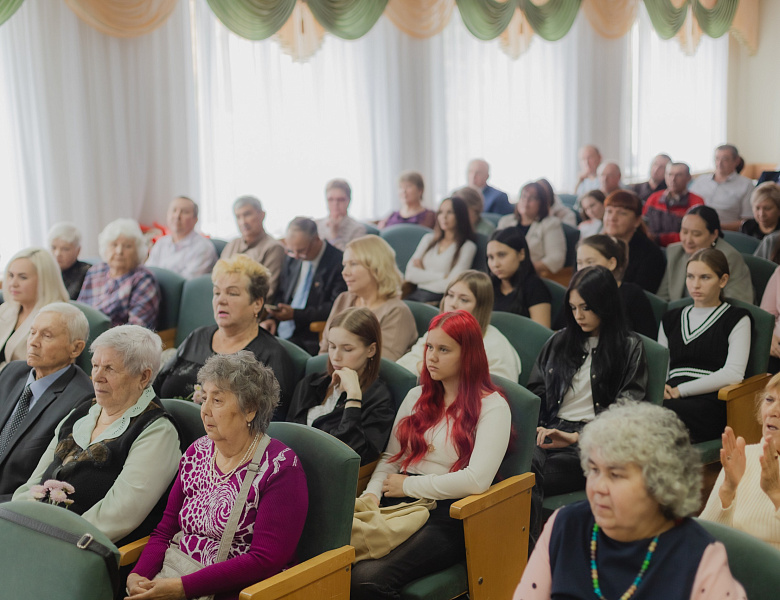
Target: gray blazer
740 285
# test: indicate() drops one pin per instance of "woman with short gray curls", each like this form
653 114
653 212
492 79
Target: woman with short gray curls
240 396
634 536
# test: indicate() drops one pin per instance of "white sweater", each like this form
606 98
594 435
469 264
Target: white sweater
438 270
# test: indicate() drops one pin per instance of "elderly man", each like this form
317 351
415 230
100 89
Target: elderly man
184 250
725 190
609 177
37 394
310 282
657 181
338 228
664 210
254 241
590 159
496 201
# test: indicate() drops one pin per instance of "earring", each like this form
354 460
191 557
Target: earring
248 424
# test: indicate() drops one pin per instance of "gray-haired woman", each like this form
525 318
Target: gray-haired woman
240 396
119 451
634 536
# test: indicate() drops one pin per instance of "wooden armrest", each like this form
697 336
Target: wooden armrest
741 413
499 492
129 553
327 575
751 385
364 476
168 337
317 326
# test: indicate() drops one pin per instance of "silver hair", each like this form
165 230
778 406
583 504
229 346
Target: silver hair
65 231
305 225
123 227
253 384
243 201
75 321
653 438
140 348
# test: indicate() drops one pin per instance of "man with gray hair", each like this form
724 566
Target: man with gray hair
725 190
254 241
338 228
35 395
309 284
496 201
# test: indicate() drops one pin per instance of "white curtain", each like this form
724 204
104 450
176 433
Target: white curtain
98 127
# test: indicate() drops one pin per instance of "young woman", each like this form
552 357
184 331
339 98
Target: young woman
410 192
591 213
349 401
582 369
448 440
472 291
516 286
612 253
543 231
443 254
708 343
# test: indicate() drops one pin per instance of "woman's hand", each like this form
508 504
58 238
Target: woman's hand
393 487
732 457
158 589
770 472
558 439
774 349
133 583
349 381
417 262
671 392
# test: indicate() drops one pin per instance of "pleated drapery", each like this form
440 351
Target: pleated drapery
8 8
123 18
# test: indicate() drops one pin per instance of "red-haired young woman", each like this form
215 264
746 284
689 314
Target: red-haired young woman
448 440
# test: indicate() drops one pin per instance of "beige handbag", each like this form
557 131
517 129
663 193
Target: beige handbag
177 563
376 531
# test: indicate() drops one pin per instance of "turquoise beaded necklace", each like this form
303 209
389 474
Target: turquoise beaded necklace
594 572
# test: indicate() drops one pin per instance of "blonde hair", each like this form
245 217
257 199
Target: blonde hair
258 276
50 285
769 190
481 286
376 255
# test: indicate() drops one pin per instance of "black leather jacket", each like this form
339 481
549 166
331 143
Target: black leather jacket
547 382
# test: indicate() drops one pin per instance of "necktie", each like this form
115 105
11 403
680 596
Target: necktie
22 408
286 328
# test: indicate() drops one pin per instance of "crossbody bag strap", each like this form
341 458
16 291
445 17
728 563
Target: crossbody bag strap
82 542
235 512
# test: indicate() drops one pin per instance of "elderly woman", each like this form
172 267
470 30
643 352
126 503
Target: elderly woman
120 451
32 280
410 191
240 396
634 533
373 281
746 495
121 288
65 243
240 287
765 201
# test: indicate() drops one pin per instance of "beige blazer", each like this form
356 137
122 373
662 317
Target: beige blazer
546 240
16 344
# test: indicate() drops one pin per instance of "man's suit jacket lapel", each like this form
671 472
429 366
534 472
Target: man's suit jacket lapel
293 271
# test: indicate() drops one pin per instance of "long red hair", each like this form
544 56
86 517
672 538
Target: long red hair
474 385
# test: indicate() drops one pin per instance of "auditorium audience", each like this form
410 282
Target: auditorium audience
254 241
543 232
348 400
591 213
496 201
701 229
183 250
589 159
240 395
657 181
725 190
664 210
472 291
120 451
38 393
746 495
240 286
338 228
612 253
443 254
709 345
410 193
374 281
65 244
609 177
121 287
635 532
516 286
623 220
581 370
32 280
475 203
309 284
448 441
765 202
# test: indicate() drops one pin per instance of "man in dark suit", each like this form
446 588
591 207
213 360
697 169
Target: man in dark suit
309 283
37 394
496 201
